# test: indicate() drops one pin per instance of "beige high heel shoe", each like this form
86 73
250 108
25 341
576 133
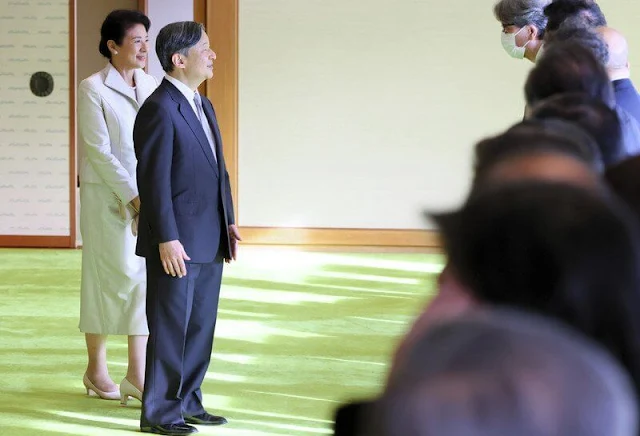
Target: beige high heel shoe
93 391
127 389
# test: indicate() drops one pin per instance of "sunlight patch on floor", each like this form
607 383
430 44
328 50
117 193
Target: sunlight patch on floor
234 358
277 265
217 401
359 362
388 321
228 430
48 426
273 259
366 277
278 297
231 378
95 418
379 262
289 427
274 415
244 313
257 332
367 290
299 397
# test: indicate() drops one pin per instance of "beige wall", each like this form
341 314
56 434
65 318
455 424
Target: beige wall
161 13
90 15
34 131
363 113
357 113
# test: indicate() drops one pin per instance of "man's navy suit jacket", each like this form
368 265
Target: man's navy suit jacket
184 193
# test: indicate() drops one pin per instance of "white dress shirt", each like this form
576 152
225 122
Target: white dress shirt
189 94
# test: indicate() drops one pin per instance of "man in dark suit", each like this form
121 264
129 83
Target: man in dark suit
570 17
186 230
617 65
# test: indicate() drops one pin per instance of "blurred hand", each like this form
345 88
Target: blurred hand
135 204
234 237
134 225
172 256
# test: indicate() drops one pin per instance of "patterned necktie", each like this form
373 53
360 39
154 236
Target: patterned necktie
205 124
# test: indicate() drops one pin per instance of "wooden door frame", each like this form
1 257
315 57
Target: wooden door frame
220 18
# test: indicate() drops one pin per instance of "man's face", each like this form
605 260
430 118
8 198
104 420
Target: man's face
522 34
198 64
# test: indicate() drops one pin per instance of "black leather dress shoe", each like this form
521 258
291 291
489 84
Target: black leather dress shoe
205 419
170 429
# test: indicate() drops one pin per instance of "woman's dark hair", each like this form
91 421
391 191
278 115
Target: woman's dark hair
595 117
116 25
554 249
534 137
568 66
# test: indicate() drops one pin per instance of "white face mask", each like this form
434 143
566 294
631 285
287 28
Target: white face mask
510 46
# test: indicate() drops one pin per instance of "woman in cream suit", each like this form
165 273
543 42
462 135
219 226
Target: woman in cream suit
113 288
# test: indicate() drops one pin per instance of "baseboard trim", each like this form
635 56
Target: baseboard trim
20 241
308 238
340 237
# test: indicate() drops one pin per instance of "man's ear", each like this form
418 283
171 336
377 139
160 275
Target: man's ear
177 60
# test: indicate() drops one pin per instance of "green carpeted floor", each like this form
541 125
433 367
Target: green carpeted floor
297 334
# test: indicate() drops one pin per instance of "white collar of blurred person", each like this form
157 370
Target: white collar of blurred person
539 53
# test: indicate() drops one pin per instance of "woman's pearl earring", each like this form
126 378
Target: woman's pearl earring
115 52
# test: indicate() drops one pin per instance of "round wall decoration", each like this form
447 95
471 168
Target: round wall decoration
41 84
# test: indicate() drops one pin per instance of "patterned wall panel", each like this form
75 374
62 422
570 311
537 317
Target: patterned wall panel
34 131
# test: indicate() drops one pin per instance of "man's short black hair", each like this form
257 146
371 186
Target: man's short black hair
175 38
535 137
595 117
568 66
586 12
555 249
